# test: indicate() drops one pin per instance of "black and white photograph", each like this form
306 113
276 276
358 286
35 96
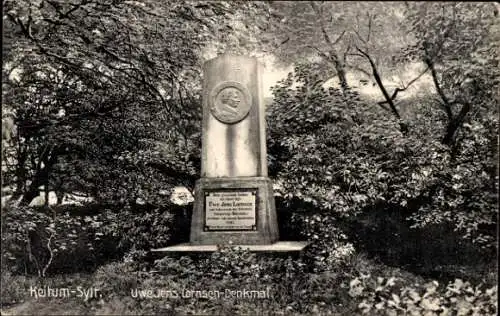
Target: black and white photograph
188 157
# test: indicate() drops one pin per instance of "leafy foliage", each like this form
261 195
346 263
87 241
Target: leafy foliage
144 229
392 296
466 190
334 152
104 99
459 43
360 285
339 160
38 241
34 241
100 89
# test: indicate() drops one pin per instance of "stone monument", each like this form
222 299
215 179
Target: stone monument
234 201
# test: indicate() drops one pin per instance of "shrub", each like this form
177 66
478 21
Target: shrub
342 155
395 296
356 286
16 290
328 246
115 278
35 240
142 229
465 192
13 288
225 263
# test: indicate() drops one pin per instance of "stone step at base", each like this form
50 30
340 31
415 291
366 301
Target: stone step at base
280 246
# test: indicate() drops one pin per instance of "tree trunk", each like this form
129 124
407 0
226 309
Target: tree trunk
41 177
33 191
28 196
59 195
454 124
20 171
341 74
20 181
46 202
402 126
449 135
59 199
47 180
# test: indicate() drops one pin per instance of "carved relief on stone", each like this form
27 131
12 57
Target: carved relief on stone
230 102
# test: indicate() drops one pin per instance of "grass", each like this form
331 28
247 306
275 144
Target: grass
291 290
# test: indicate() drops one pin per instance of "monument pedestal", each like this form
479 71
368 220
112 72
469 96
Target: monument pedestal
234 210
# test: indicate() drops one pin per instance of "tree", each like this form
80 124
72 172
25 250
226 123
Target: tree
102 87
345 37
302 30
370 45
337 153
459 44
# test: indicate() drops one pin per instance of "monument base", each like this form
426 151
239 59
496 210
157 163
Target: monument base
238 211
280 246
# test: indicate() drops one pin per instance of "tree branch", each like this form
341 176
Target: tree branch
320 52
370 18
397 90
445 102
360 37
64 15
344 58
141 78
323 29
376 75
416 78
51 252
338 38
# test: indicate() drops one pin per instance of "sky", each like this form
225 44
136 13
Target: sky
271 75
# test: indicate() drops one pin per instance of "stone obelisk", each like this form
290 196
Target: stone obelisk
234 200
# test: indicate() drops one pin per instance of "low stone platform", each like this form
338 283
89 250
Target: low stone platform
280 246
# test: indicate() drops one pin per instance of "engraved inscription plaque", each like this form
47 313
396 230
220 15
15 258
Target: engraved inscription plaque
230 102
230 210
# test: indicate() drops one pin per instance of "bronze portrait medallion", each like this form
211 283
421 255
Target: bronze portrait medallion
230 102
